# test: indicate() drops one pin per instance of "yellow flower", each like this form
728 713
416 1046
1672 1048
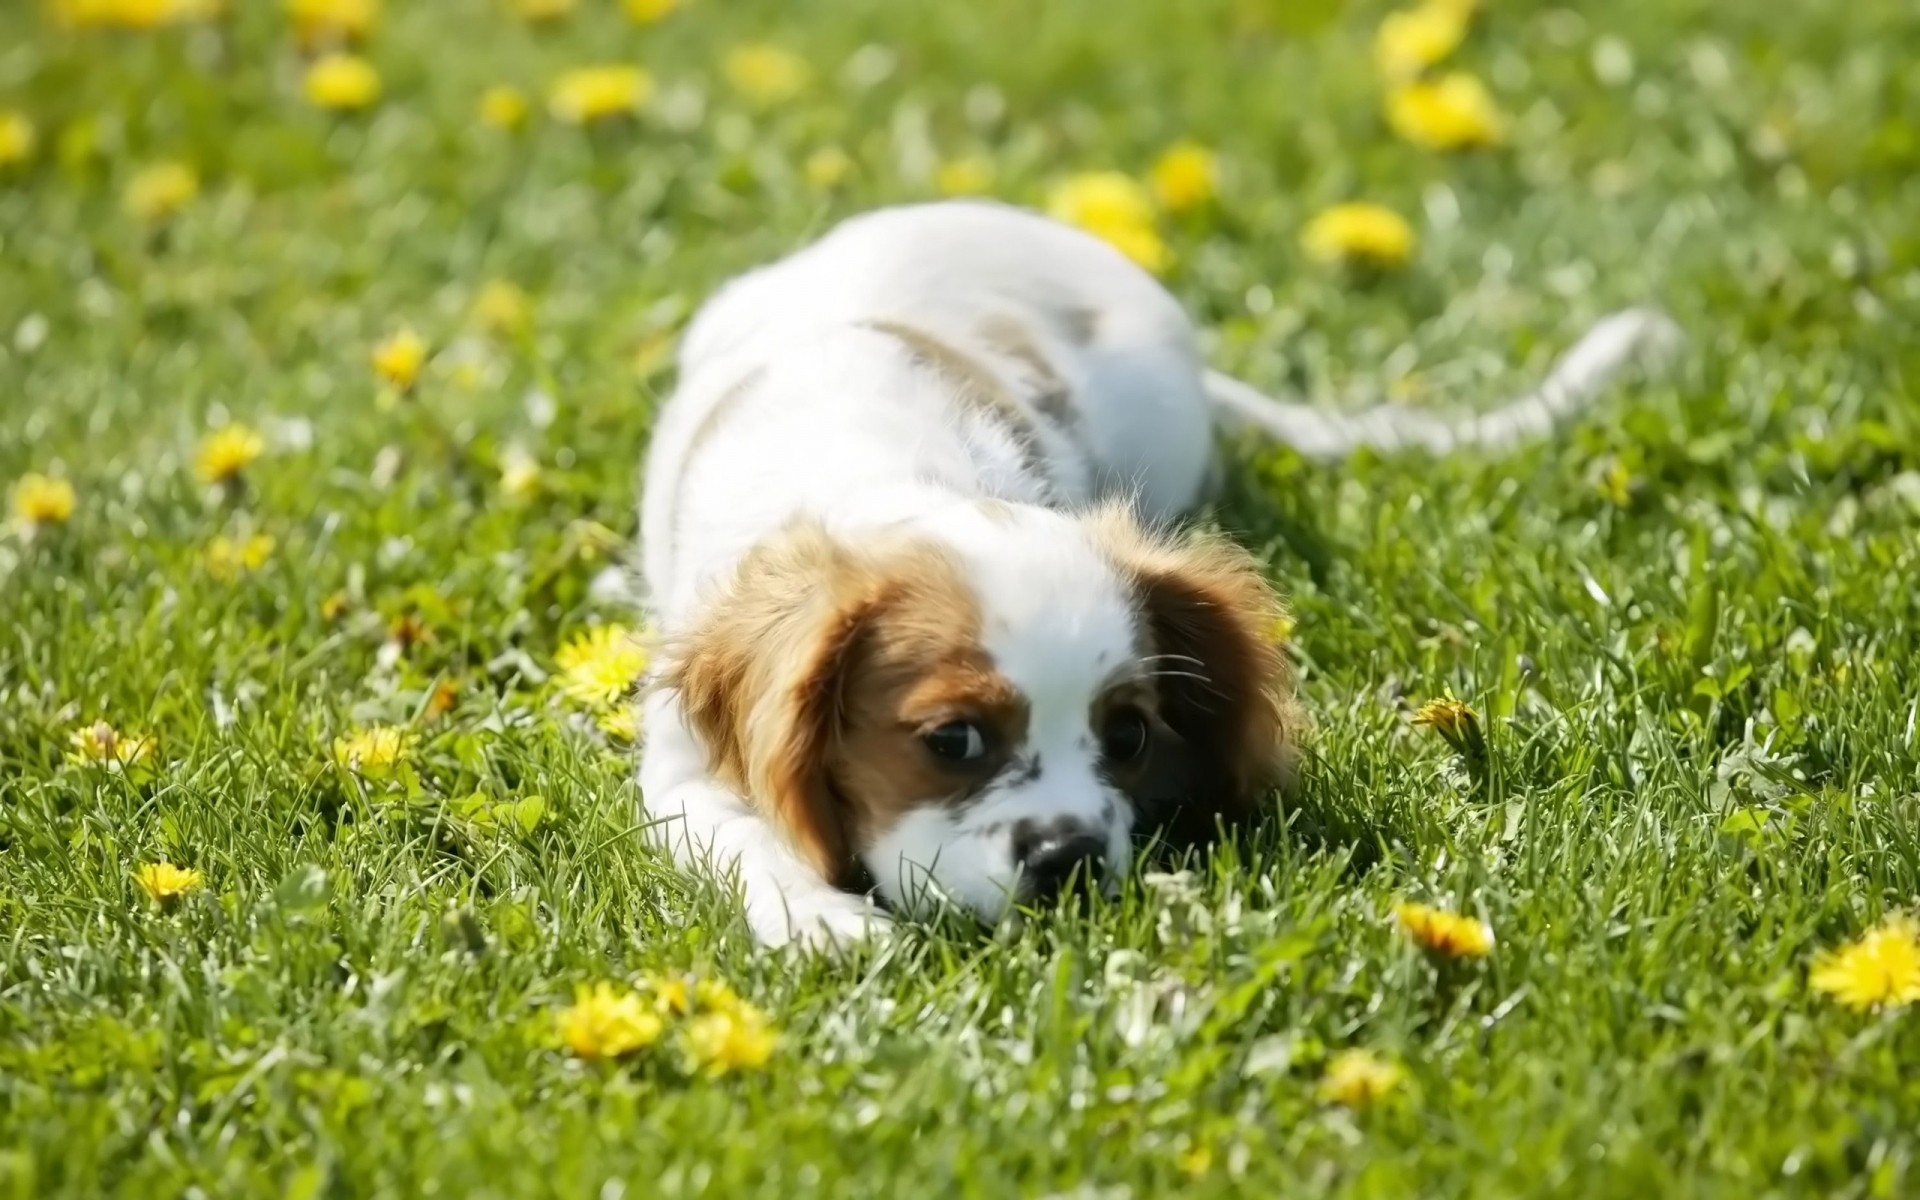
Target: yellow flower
1357 1078
519 474
330 22
604 1022
1453 112
342 82
16 138
100 743
1369 234
165 882
135 14
42 500
764 73
729 1039
228 558
399 357
1882 968
159 191
502 307
622 724
597 93
600 666
646 12
1413 39
1445 933
227 452
971 176
828 167
373 753
1448 717
1185 177
1115 208
538 11
503 107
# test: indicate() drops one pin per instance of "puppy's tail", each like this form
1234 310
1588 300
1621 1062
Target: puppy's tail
1583 373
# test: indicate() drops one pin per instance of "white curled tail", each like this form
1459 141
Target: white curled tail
1582 373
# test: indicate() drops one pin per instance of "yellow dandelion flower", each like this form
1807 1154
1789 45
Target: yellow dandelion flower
42 500
828 167
503 308
230 558
159 191
969 176
1444 933
539 12
224 453
1185 177
600 666
373 753
1448 717
646 12
622 724
101 744
605 1022
16 138
766 74
589 94
1115 208
519 475
165 882
1453 112
332 22
729 1039
1358 1078
1881 969
398 357
1367 234
503 107
342 83
1413 39
1281 628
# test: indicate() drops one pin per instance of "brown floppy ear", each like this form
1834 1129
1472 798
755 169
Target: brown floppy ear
1221 671
759 678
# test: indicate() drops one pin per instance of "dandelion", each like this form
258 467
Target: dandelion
1280 629
589 94
1413 39
398 357
503 308
373 753
1449 718
342 83
1444 933
332 22
604 1022
646 12
622 724
970 176
225 453
538 12
1454 112
42 500
230 558
160 191
1881 969
1113 207
16 138
1359 233
1185 177
828 167
601 665
1357 1078
100 744
503 107
764 73
729 1039
519 474
165 883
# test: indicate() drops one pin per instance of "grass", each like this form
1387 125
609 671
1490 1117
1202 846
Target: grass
1689 625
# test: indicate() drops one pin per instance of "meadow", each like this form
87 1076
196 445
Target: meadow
330 338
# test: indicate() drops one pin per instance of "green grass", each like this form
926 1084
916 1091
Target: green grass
1699 692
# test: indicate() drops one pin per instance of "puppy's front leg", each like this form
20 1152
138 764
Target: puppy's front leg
706 824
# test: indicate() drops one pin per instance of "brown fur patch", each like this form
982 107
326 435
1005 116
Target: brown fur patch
1051 397
1223 681
976 388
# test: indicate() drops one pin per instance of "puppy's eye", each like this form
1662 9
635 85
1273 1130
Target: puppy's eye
957 741
1124 736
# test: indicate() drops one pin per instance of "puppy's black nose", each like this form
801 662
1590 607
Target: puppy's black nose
1051 857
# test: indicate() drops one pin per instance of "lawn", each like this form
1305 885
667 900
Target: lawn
319 659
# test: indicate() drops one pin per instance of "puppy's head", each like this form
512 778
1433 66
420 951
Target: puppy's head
985 706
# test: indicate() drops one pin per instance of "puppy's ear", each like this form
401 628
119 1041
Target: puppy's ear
1224 681
760 680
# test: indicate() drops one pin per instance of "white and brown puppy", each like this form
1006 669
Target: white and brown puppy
906 542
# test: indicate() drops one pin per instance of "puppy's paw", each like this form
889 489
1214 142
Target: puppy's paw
834 924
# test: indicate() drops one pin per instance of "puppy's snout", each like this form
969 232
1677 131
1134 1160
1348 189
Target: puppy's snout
1053 856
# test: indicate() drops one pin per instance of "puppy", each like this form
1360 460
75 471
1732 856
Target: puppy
924 630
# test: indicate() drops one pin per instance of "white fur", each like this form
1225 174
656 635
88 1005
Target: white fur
828 417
